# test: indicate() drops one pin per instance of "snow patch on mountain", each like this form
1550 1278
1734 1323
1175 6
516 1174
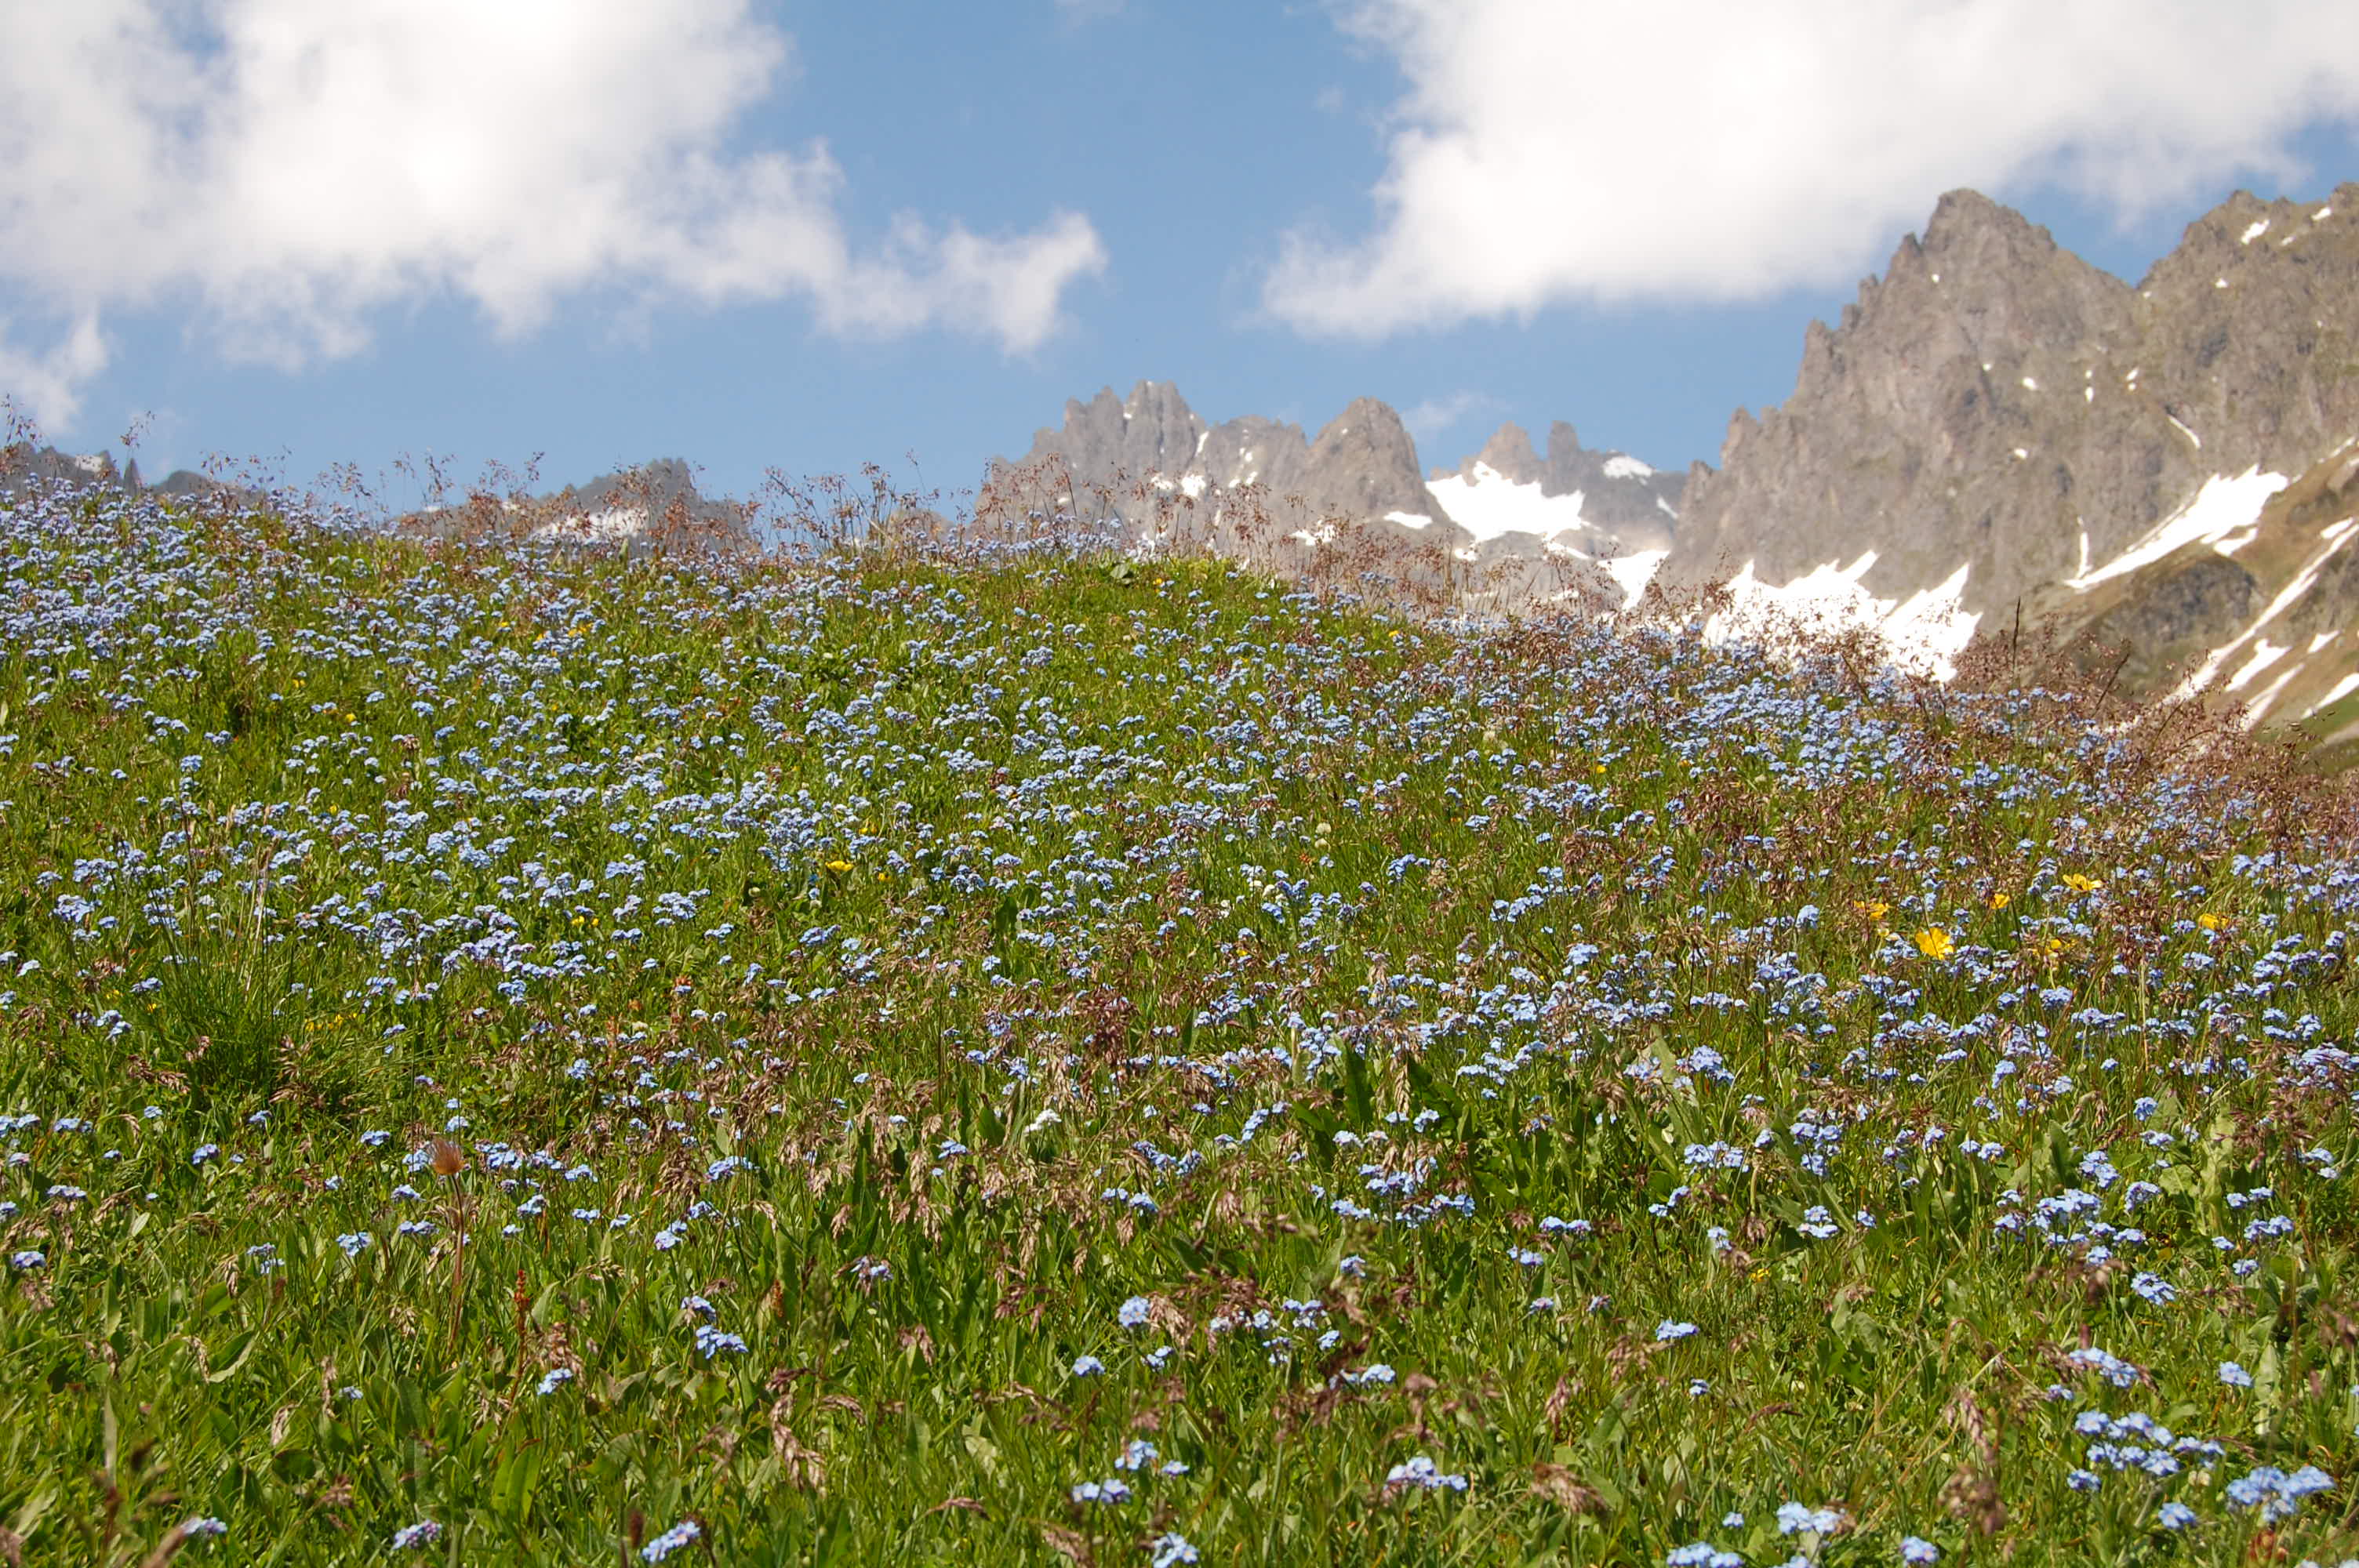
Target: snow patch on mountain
1923 634
606 527
1634 571
1489 505
2225 507
2265 654
2332 540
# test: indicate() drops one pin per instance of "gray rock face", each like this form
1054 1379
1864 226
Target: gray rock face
1151 458
1363 465
664 489
1250 450
1994 401
184 483
1257 488
1508 453
2199 604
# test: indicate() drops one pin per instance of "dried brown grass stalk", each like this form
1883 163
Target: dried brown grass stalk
447 1161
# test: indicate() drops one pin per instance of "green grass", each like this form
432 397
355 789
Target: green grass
1045 934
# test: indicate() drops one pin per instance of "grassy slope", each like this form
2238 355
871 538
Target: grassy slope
1045 936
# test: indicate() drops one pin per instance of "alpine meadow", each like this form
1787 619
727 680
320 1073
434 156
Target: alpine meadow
998 1047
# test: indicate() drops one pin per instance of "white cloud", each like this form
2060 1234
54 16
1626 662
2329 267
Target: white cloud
293 168
1549 151
1437 416
47 388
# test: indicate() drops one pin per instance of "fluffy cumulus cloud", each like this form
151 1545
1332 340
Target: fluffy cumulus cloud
1547 151
1439 415
44 386
293 168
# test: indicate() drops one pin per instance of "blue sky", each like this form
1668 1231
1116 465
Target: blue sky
224 214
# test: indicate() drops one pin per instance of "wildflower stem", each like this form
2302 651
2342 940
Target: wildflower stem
458 1258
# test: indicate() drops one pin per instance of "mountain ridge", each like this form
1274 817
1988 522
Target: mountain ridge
1994 432
1991 388
1507 526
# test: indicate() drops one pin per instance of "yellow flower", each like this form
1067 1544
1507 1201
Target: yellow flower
839 867
2080 883
1874 908
2209 921
1934 943
2000 900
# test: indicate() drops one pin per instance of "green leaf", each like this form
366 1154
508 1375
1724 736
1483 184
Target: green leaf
1359 1090
29 1515
514 1482
240 1347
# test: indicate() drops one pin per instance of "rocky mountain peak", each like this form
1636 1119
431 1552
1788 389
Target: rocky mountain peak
1565 452
1363 465
1967 226
1140 452
1508 453
1994 405
1505 528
